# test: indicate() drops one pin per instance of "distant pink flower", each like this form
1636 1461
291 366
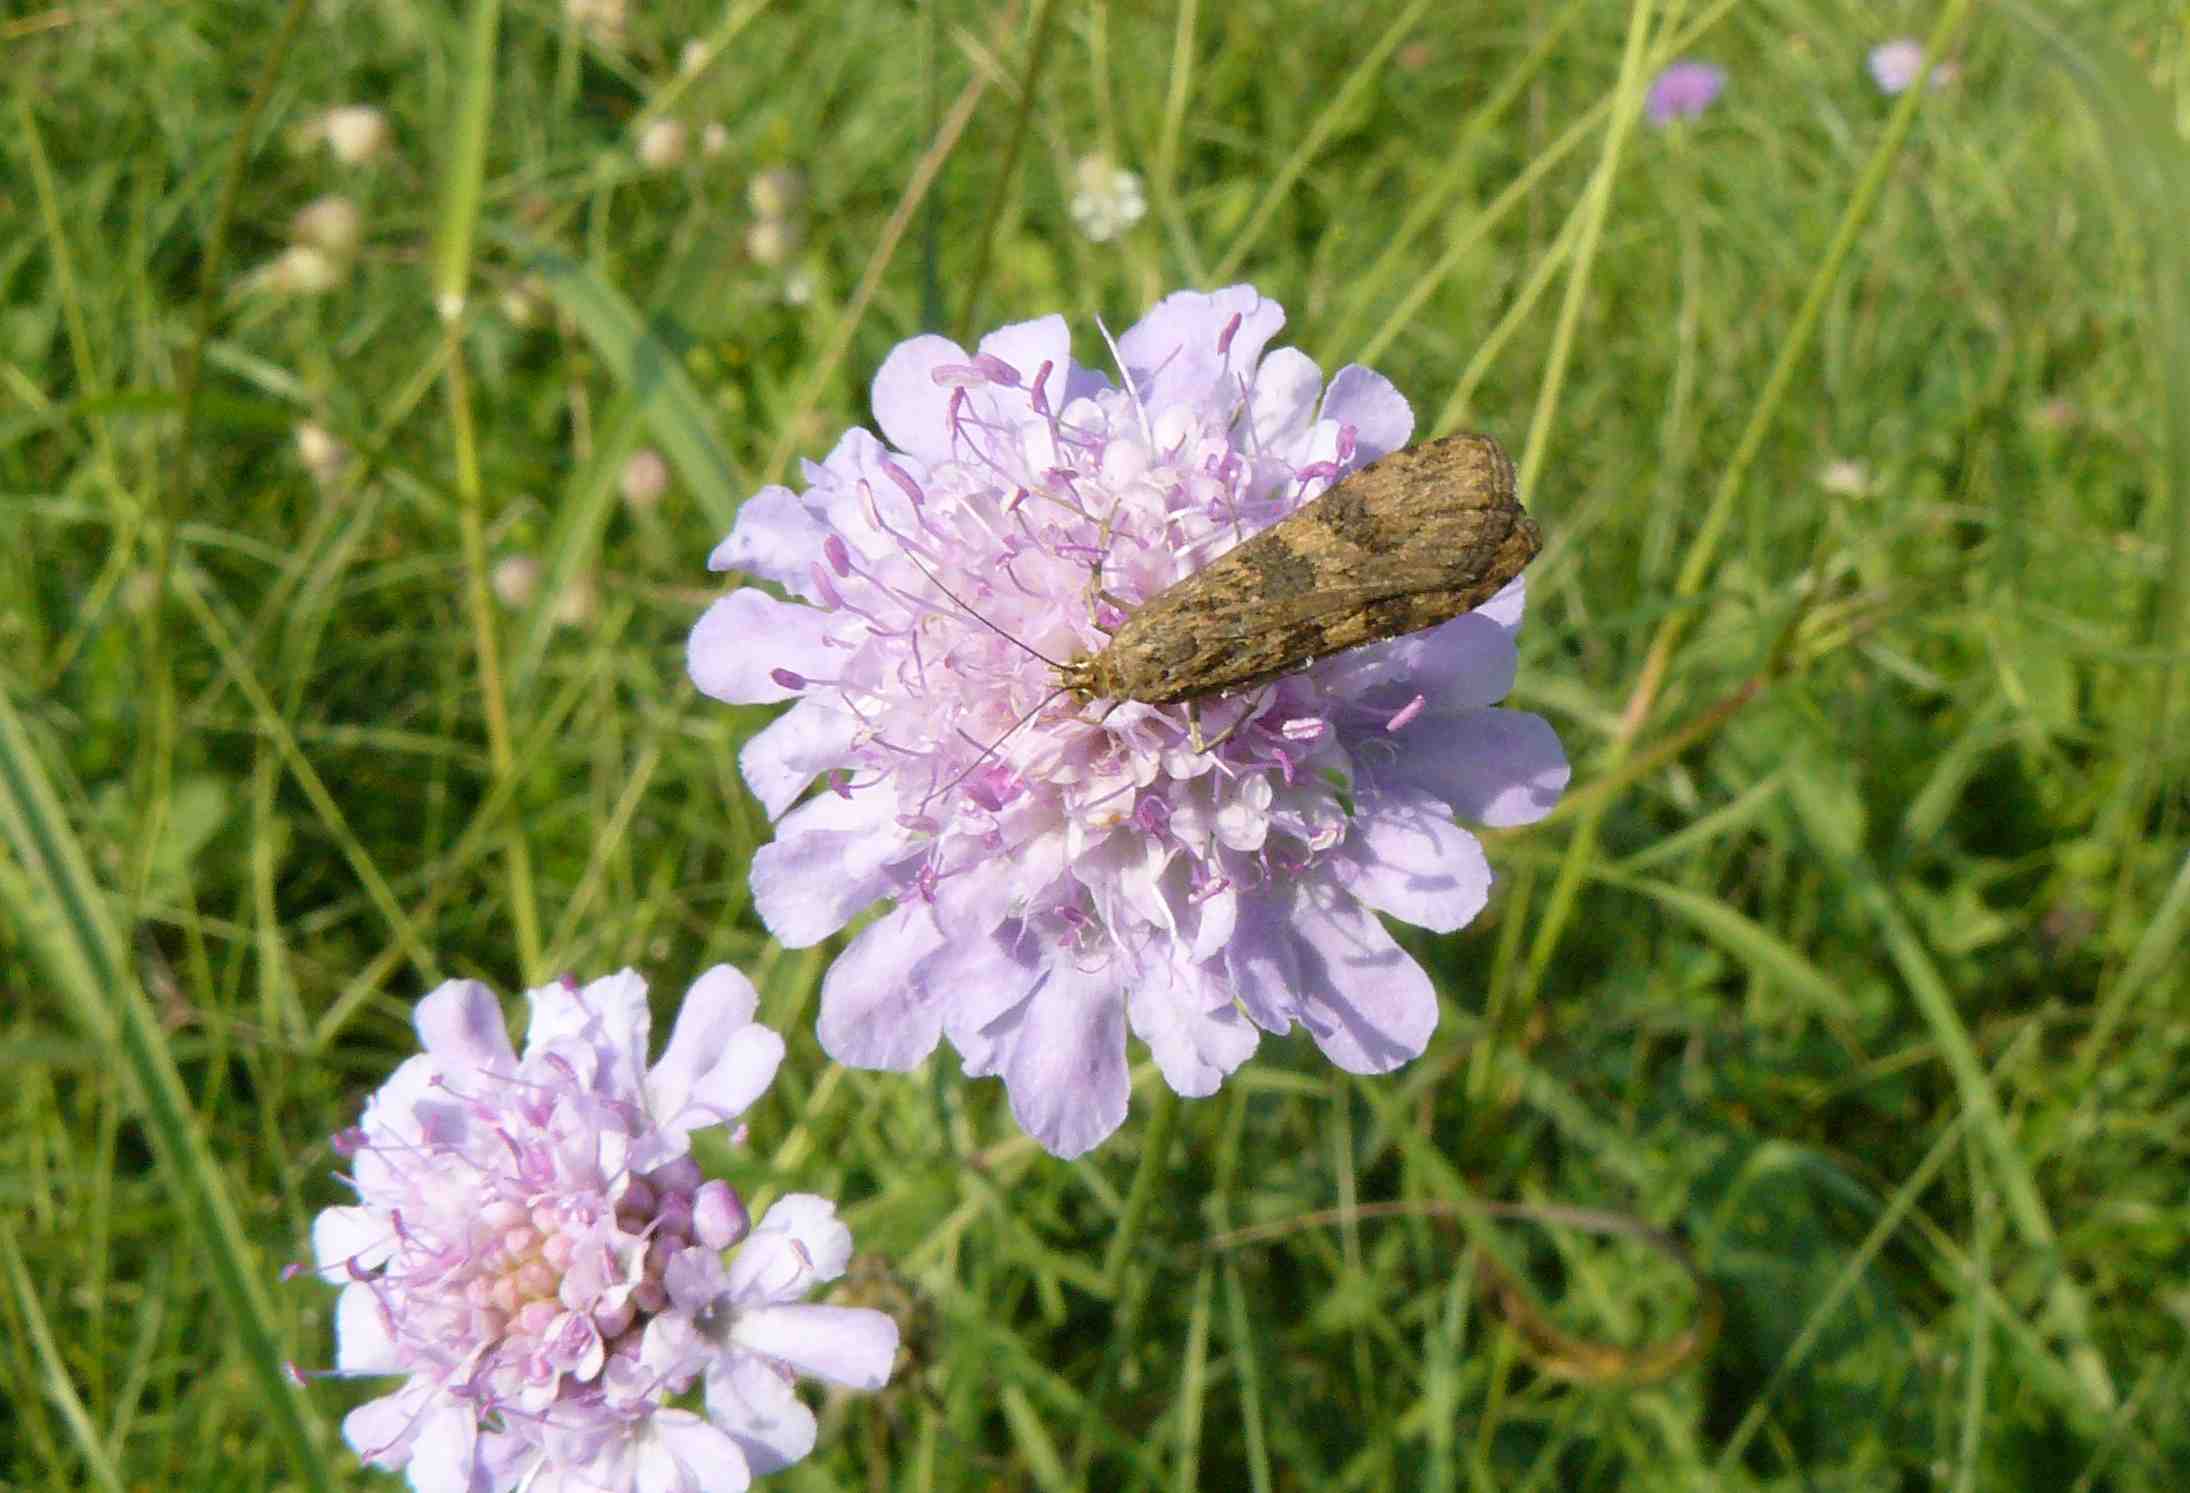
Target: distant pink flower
1684 90
1065 870
535 1251
1896 64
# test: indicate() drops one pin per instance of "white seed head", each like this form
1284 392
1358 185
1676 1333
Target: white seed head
331 225
297 270
714 138
1107 199
798 288
645 479
602 19
323 455
357 133
663 143
779 193
692 58
1850 479
577 602
772 241
515 578
525 301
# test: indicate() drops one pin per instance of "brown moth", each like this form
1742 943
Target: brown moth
1412 539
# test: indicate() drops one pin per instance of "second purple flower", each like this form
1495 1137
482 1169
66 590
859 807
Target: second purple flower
1066 870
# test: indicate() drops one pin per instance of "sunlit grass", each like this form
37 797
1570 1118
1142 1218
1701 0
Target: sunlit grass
1853 958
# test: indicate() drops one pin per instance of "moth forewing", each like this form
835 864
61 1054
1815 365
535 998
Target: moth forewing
1411 540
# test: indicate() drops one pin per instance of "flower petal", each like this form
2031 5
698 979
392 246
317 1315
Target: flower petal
875 1013
1027 345
1281 406
1061 1053
742 640
1496 767
683 1453
1196 1048
342 1235
1369 402
1506 607
1186 351
460 1024
975 980
776 538
719 1060
755 1405
910 407
1413 862
830 858
849 1345
799 745
1368 1005
383 1431
363 1343
807 1227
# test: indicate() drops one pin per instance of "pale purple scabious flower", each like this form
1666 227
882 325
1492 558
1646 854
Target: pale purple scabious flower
1684 90
1897 64
536 1251
1063 870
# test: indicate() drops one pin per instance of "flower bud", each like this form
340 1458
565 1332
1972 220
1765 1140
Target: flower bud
779 193
331 225
322 454
601 19
298 270
772 241
662 144
719 1219
514 579
357 133
645 479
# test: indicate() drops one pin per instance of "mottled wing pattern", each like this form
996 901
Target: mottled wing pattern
1409 541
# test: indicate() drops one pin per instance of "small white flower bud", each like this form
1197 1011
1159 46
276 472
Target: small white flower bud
1850 479
525 301
662 144
298 270
356 133
1108 199
322 454
645 479
714 138
604 19
331 225
515 578
779 193
577 602
772 241
693 57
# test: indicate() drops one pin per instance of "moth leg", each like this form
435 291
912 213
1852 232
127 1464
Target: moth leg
1193 725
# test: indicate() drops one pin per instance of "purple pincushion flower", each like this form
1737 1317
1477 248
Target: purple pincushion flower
536 1251
1066 870
1897 64
1684 90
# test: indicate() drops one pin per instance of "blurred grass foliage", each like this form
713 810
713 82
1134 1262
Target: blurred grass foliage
1854 959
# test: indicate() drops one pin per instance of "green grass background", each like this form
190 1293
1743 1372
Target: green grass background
1854 957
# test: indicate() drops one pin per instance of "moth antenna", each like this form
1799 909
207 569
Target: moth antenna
992 748
976 616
